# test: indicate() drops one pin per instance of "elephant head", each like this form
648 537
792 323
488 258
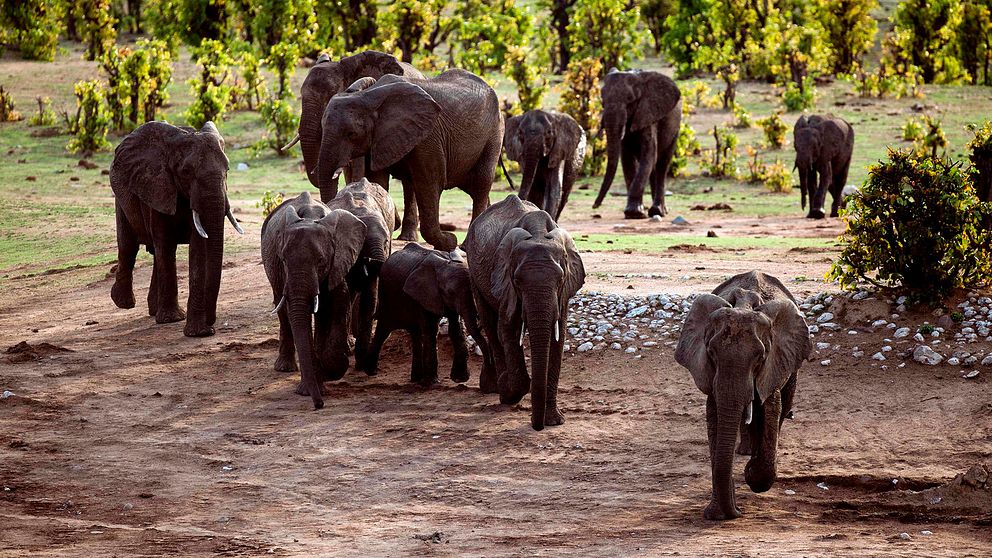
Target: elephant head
174 170
440 282
385 121
535 275
632 102
538 135
741 355
326 79
315 256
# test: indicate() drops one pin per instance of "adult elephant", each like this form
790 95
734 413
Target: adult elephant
824 145
432 134
326 79
308 250
744 345
524 270
642 111
170 188
549 147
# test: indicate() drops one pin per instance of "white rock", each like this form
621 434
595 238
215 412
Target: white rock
925 355
790 492
901 332
905 536
926 533
650 343
878 323
970 375
825 362
587 346
878 356
852 332
987 360
954 361
824 318
858 354
918 337
242 166
822 486
886 349
814 329
825 346
631 350
6 394
616 346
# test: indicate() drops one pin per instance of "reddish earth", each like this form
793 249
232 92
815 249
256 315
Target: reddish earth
140 442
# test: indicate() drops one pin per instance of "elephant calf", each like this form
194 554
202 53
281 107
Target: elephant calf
417 287
371 203
744 345
549 147
308 250
824 145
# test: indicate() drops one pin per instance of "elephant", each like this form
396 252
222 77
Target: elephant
417 287
524 270
170 188
432 134
550 147
642 112
743 345
824 145
308 250
373 206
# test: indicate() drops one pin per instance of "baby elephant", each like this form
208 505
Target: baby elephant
417 287
744 345
308 250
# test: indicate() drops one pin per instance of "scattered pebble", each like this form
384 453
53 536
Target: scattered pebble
825 362
968 376
790 492
822 486
7 394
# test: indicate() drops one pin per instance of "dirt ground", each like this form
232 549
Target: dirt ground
136 441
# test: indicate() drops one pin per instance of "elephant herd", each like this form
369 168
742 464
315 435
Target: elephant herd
339 290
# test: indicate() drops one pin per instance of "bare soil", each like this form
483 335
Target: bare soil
137 441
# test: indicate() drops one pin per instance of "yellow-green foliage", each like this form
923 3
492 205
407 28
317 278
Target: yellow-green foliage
281 122
270 200
7 109
529 78
722 162
912 130
33 26
96 26
774 129
211 95
45 116
92 122
777 177
581 101
685 145
742 118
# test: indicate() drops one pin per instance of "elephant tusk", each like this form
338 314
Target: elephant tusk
747 417
316 303
278 306
295 141
557 335
523 328
365 270
198 225
337 173
230 217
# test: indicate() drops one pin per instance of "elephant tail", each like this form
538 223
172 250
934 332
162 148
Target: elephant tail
505 173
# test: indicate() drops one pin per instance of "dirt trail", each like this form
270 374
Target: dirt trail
140 442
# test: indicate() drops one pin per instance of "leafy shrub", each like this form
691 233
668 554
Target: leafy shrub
742 118
92 122
45 116
882 83
211 95
96 27
799 97
774 129
912 130
850 30
923 37
33 26
282 58
581 101
7 109
530 80
777 177
270 201
933 138
137 80
159 75
685 145
916 225
281 123
486 36
696 94
723 159
252 89
606 29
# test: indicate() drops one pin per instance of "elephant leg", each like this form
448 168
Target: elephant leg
428 199
552 414
459 361
760 471
371 364
480 203
411 219
417 348
331 326
286 361
552 190
367 303
628 159
513 384
566 187
788 396
494 362
122 293
660 176
837 188
168 288
646 160
428 337
152 298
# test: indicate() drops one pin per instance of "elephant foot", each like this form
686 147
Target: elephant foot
553 417
634 213
657 211
816 214
286 364
302 390
167 316
834 213
122 294
714 512
428 381
446 242
408 235
459 372
744 447
487 381
510 394
197 330
759 479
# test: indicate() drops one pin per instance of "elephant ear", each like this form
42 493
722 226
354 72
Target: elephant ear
568 134
422 284
511 141
140 167
348 234
502 274
658 96
691 350
406 114
789 347
575 272
360 84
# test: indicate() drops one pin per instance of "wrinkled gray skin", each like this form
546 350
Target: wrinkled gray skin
824 145
433 135
160 176
549 147
524 270
373 206
641 115
417 287
308 251
744 345
328 78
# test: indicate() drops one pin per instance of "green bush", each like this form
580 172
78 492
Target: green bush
95 25
696 94
252 90
742 118
282 58
606 29
722 162
932 139
685 145
777 177
916 225
799 98
33 26
45 116
486 37
270 201
774 129
581 101
923 37
529 78
211 95
92 122
912 130
281 123
7 108
159 75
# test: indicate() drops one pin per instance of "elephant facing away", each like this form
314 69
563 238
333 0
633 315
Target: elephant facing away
170 188
308 250
432 134
642 112
524 269
824 145
417 287
373 206
743 346
550 147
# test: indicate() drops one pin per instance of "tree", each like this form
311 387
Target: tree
282 58
560 14
486 36
279 21
605 29
530 80
211 95
95 25
413 26
91 124
346 24
33 26
850 30
974 40
655 13
923 36
581 101
689 29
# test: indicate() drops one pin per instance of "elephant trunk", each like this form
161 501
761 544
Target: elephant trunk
730 410
531 160
206 260
310 132
803 167
300 310
760 471
540 318
327 170
614 123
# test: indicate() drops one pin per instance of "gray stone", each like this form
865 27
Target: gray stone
925 355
